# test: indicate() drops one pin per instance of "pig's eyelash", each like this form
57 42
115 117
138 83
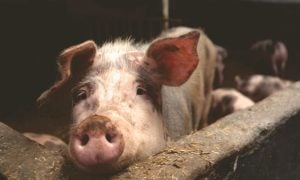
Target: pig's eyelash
88 86
78 97
80 93
76 88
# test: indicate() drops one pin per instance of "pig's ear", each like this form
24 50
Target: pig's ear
72 62
77 59
176 58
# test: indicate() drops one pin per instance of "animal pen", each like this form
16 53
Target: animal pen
262 142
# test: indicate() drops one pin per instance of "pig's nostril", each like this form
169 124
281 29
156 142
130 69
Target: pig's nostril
110 137
84 139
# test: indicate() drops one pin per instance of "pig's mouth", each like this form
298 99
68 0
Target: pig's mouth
96 145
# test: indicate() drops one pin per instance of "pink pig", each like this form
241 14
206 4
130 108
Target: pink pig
126 100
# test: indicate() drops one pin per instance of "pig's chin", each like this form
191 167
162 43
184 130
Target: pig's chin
99 168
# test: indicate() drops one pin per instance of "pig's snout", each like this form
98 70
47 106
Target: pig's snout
96 143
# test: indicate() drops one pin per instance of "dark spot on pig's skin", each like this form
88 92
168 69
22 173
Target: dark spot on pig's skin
228 100
152 88
92 106
94 124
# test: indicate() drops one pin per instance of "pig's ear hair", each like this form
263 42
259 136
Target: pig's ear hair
176 58
72 62
76 59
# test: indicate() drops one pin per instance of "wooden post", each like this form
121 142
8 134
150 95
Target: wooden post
165 13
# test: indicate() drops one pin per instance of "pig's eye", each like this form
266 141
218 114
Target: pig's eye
140 91
79 96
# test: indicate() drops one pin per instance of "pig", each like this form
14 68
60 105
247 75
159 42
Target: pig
126 100
204 83
51 142
222 54
257 87
226 101
268 57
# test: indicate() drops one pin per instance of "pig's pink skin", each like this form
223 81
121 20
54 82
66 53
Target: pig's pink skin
257 87
226 101
95 143
141 95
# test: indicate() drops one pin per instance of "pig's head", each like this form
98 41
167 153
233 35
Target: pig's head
116 104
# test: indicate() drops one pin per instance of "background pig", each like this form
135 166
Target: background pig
258 87
220 66
268 57
227 101
194 97
125 100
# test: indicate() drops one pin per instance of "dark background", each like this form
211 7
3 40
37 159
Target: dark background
34 32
